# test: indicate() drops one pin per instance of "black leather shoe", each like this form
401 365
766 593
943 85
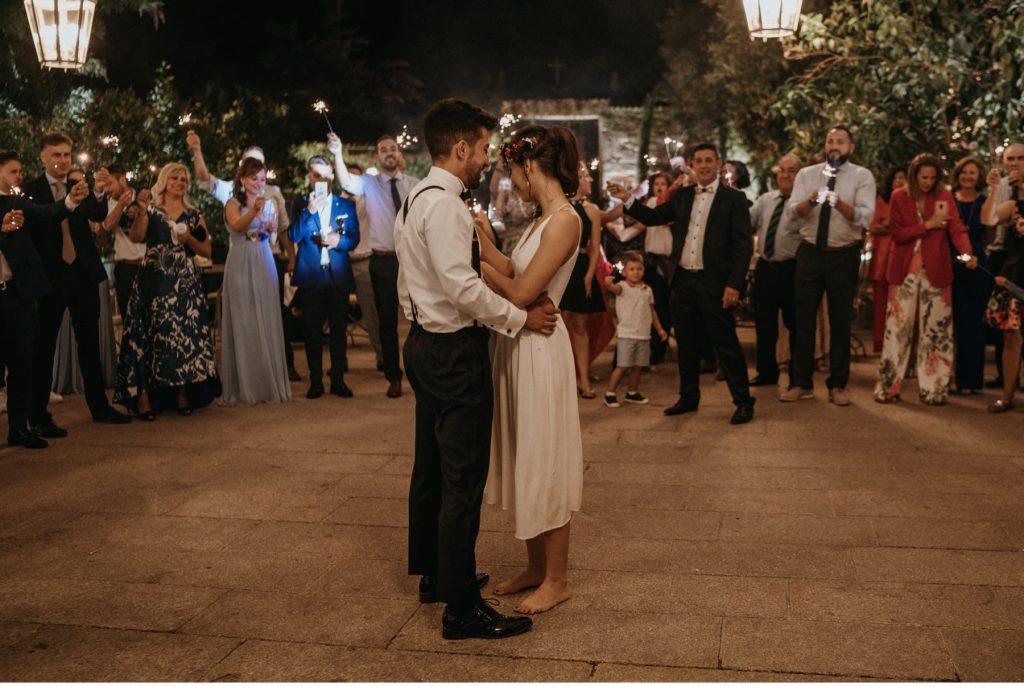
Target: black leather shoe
428 587
763 381
112 417
483 622
394 389
743 415
48 430
681 407
340 389
25 438
315 391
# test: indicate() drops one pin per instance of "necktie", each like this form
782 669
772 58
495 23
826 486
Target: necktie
825 216
67 248
395 198
773 227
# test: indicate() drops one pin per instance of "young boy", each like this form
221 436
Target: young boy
634 307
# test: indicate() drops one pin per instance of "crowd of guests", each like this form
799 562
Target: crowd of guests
944 267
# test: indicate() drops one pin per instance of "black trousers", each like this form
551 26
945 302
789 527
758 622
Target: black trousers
659 287
74 292
451 377
330 305
16 338
773 293
124 279
996 260
818 272
384 278
697 314
281 263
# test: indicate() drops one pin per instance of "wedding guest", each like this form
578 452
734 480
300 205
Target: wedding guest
881 246
924 222
325 227
166 357
509 214
971 288
254 368
657 249
128 255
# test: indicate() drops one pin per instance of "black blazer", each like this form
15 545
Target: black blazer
47 235
20 250
728 237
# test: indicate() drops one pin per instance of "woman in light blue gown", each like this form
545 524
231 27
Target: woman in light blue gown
253 367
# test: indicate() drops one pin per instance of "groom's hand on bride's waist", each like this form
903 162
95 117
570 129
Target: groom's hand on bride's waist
542 315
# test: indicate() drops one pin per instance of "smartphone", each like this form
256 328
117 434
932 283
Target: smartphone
940 206
320 189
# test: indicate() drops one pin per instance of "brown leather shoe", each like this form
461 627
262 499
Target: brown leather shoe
395 389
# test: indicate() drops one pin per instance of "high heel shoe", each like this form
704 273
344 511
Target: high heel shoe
1000 406
185 410
586 393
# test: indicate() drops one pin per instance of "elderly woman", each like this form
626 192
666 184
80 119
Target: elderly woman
166 355
923 221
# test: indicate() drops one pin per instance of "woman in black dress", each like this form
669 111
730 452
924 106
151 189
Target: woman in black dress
583 296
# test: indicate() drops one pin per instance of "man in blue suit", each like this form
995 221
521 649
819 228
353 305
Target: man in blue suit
324 229
23 282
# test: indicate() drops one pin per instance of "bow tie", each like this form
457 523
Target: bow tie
466 195
704 189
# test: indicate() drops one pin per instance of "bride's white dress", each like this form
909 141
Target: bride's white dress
536 448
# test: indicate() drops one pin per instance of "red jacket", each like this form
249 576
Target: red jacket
907 228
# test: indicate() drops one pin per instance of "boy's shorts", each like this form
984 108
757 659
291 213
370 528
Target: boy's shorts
633 353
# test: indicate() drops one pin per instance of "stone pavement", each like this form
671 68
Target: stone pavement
268 543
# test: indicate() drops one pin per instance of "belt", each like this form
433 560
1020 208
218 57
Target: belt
4 285
360 258
138 261
474 330
385 253
689 271
832 250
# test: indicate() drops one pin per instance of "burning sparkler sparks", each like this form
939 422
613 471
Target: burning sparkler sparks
185 119
321 107
406 140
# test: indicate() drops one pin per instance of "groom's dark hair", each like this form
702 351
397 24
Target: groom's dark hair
450 121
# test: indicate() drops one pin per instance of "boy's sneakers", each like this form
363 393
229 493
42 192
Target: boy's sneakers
611 400
635 397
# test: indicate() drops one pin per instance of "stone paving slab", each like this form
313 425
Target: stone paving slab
269 543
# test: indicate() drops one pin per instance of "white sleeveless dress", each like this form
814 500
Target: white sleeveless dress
536 448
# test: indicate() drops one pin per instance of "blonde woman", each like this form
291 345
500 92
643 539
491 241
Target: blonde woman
166 357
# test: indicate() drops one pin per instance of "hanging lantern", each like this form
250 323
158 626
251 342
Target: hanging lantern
772 18
61 31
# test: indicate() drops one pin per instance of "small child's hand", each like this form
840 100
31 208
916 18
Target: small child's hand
663 335
609 280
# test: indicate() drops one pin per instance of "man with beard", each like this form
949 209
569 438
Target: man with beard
384 194
832 203
453 314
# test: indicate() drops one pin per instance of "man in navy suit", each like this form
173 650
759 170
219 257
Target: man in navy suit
23 282
712 243
74 270
324 229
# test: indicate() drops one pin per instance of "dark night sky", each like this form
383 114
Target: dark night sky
454 48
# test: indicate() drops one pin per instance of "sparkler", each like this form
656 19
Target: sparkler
405 140
508 120
271 175
83 160
185 119
321 107
594 164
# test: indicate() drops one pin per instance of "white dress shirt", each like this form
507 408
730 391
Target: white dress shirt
380 207
1002 194
437 286
854 185
124 247
692 257
787 235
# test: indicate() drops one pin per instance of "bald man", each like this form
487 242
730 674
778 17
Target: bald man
778 236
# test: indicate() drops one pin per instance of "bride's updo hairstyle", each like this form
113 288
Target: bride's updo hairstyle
553 149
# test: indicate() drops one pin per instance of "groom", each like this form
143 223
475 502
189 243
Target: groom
452 313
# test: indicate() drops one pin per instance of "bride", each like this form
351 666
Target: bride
536 448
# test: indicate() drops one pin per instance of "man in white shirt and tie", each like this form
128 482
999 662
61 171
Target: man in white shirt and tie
384 194
446 356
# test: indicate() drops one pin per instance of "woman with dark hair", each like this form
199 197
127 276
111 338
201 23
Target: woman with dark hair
971 288
166 357
253 364
881 246
536 446
923 222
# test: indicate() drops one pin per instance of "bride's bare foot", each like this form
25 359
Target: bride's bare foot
524 580
547 596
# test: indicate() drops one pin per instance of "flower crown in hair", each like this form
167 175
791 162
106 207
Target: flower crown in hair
515 152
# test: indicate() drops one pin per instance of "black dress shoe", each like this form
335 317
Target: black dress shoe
681 407
25 438
428 587
394 389
48 430
112 417
315 391
293 375
341 389
483 622
762 381
743 415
